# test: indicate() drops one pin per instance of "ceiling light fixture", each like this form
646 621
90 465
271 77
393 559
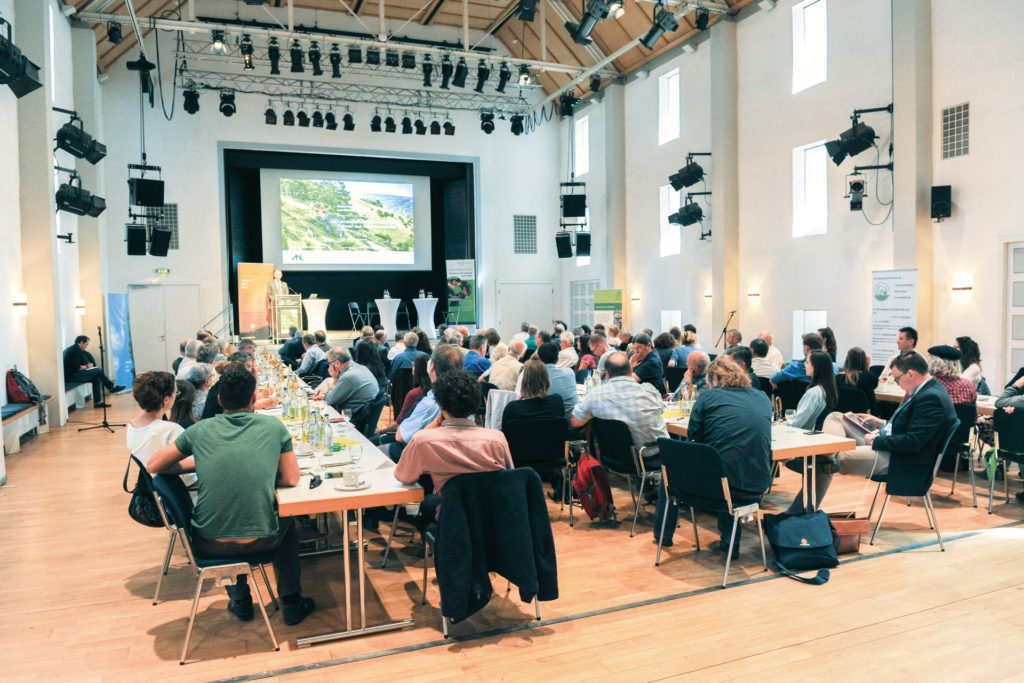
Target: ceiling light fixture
428 71
482 74
389 124
435 127
289 118
664 22
274 55
527 10
487 122
302 118
391 58
331 121
406 125
446 71
408 60
580 32
461 71
517 124
449 128
218 47
114 33
375 123
421 128
270 116
703 17
17 71
504 74
335 59
227 102
525 77
373 56
348 122
191 99
296 54
314 58
318 120
355 55
246 48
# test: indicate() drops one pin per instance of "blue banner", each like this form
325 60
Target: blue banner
119 339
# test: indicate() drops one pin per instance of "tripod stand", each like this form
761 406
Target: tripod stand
103 392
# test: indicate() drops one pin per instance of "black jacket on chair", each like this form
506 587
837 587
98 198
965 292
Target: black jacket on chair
919 427
493 521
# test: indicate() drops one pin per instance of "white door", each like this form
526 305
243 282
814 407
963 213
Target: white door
533 302
1014 353
159 317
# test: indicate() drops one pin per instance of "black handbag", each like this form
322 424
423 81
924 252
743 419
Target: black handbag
805 542
142 507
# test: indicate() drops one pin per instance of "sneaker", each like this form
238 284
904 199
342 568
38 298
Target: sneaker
117 389
241 609
720 547
297 608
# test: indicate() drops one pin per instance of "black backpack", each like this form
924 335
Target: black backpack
20 389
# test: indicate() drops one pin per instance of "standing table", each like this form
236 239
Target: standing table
316 314
388 315
425 315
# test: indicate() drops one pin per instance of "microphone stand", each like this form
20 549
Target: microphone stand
103 392
724 330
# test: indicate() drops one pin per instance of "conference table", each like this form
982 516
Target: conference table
388 309
425 315
378 488
893 394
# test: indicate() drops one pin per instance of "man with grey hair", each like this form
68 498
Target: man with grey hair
181 356
523 333
407 358
475 363
452 337
567 356
247 345
207 353
732 338
314 354
696 373
354 385
504 372
321 341
397 347
774 356
191 349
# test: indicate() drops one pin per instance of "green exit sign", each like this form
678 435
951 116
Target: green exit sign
163 271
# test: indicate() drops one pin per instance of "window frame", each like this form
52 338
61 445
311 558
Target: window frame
581 152
669 107
803 224
810 56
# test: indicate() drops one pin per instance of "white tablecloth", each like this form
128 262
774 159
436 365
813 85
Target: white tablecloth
425 312
316 314
388 313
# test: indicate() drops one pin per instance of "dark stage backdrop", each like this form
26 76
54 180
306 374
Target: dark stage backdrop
451 228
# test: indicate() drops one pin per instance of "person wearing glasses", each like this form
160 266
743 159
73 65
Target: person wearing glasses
913 434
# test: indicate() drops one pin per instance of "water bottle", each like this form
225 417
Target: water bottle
421 294
326 432
387 294
314 430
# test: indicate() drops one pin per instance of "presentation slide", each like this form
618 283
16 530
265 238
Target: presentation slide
338 221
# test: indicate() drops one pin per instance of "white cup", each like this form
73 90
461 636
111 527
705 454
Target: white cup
350 478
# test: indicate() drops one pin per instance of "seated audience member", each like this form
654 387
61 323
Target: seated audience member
599 328
562 381
1011 399
239 459
202 377
354 385
475 363
456 445
906 340
182 410
444 360
759 362
970 359
856 374
504 371
523 333
208 351
381 337
464 333
664 345
774 355
313 355
321 340
424 343
796 371
914 432
588 361
420 387
646 364
155 393
181 356
944 366
680 353
567 356
601 349
828 342
736 420
536 402
695 375
543 338
613 336
399 345
623 398
246 345
531 338
292 350
368 356
821 394
493 339
454 339
733 338
80 366
676 333
407 357
264 399
743 357
625 339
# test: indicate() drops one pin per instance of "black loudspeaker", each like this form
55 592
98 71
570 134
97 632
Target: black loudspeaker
159 242
135 235
563 242
574 205
143 192
583 244
942 201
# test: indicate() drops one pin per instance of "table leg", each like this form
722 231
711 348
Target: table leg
803 484
348 580
362 570
813 493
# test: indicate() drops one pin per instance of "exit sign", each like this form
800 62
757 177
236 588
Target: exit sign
163 271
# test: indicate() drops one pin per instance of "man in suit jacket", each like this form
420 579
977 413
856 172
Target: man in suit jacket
277 286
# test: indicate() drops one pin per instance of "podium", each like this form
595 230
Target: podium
285 311
316 313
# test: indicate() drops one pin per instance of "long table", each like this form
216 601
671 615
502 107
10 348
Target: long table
378 471
893 394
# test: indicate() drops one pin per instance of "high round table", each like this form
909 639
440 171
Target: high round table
388 309
316 314
425 314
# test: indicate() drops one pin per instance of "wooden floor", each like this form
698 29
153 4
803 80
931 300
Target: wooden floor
78 577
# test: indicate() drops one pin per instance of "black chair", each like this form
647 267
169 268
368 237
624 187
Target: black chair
356 315
790 393
526 354
542 445
919 487
876 370
694 476
371 313
451 316
583 375
318 374
172 497
172 533
766 385
852 400
403 310
401 383
673 377
960 448
1008 433
365 417
612 444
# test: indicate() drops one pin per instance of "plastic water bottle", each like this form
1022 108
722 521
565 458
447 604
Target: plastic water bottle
313 428
326 432
387 294
421 293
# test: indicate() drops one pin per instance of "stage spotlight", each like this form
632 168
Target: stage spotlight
314 58
302 118
449 128
408 60
246 48
527 10
595 83
482 74
114 33
373 56
504 73
580 32
218 47
428 71
390 58
335 58
270 116
274 55
487 122
227 102
435 127
355 54
446 71
76 142
191 99
318 120
406 125
296 54
702 19
348 122
16 70
461 71
525 77
663 22
389 124
616 9
851 142
686 176
567 105
289 118
856 192
688 215
421 128
73 199
375 123
331 121
517 124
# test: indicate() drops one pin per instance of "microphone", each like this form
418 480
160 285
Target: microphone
731 312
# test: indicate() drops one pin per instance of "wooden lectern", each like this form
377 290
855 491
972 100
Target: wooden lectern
285 311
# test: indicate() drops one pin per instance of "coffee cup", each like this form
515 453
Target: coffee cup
350 479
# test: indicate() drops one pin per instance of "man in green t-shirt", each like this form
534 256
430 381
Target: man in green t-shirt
239 460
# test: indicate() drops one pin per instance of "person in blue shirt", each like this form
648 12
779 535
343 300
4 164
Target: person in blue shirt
475 362
796 370
406 358
688 343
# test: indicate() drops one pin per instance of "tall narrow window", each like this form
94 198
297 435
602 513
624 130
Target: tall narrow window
53 53
668 204
671 319
668 107
581 143
810 190
810 44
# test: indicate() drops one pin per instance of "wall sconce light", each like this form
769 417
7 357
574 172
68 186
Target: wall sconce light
707 294
753 291
20 303
80 307
962 288
635 297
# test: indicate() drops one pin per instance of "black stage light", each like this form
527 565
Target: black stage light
227 102
296 54
335 58
160 242
595 83
449 128
487 122
583 244
446 71
517 124
580 32
409 60
406 125
331 121
421 128
567 105
314 58
856 192
482 74
461 71
389 125
271 116
616 9
303 119
504 73
664 22
525 77
527 10
851 142
390 58
428 71
688 215
348 122
218 47
76 142
318 120
702 20
191 100
274 55
135 236
686 176
375 123
73 199
114 33
16 70
289 118
373 56
246 48
435 128
355 54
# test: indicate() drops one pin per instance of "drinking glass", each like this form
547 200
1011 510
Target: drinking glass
790 415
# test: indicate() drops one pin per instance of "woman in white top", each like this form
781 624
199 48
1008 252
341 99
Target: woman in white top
821 394
148 432
970 359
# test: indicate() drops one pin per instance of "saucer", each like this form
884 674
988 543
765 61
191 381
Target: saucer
364 484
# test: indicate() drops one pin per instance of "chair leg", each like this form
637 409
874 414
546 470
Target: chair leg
956 468
879 522
928 514
774 473
1006 479
536 607
391 534
728 557
444 625
661 536
696 535
974 488
263 610
935 520
565 481
639 500
991 492
171 535
192 617
426 560
760 534
873 501
266 582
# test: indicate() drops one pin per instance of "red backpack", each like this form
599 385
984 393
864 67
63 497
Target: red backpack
20 388
591 486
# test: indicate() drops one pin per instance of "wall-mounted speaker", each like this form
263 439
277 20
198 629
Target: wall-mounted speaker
583 244
942 201
563 242
160 241
135 235
143 192
574 205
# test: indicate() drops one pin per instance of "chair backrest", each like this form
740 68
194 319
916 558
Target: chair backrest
175 501
371 306
537 442
1009 429
401 383
365 418
910 479
790 393
613 445
527 354
766 385
694 474
353 307
583 375
852 400
967 413
876 370
674 375
819 421
983 389
321 369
